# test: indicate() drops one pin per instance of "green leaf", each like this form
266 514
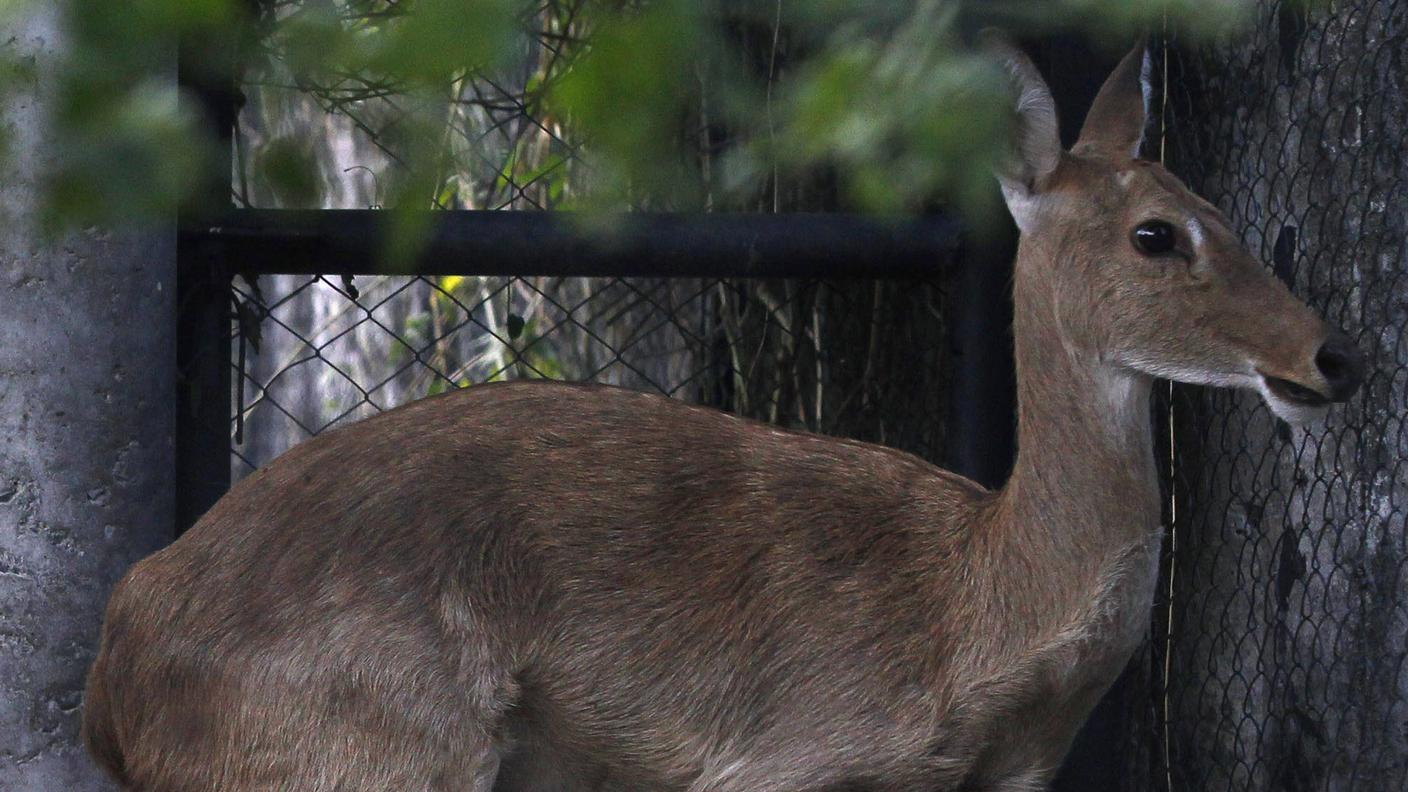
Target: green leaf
288 166
437 39
630 93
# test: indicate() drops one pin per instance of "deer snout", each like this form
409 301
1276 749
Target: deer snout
1341 364
1333 375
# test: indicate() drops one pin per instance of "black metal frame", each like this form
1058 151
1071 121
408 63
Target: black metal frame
263 242
202 292
213 246
522 243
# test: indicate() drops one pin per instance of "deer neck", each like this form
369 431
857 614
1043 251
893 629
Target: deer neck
1084 486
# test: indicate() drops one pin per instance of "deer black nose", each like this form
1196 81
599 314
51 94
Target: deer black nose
1342 365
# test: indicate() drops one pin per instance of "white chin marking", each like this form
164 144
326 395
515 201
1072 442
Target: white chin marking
1290 412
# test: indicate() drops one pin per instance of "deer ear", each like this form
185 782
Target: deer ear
1036 141
1115 124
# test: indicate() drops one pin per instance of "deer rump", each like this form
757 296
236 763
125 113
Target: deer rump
536 586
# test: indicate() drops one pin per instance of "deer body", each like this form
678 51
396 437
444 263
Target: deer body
544 587
771 610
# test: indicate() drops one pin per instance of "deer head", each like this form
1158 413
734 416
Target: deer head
1140 274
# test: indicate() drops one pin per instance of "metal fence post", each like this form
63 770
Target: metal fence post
203 293
981 436
203 386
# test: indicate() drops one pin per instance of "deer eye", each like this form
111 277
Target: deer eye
1154 238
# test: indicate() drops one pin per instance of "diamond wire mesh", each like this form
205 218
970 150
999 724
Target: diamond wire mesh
1280 660
861 359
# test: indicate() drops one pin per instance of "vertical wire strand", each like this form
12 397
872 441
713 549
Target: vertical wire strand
772 132
1171 565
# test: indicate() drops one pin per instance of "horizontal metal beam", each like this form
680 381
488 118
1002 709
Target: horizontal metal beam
259 241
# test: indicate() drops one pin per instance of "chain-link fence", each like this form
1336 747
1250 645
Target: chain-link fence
1279 654
856 358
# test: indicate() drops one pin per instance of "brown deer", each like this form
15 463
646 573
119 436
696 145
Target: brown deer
573 587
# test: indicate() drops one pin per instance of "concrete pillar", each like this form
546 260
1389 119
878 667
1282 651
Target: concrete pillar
87 384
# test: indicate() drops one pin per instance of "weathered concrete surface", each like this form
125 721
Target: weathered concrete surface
86 420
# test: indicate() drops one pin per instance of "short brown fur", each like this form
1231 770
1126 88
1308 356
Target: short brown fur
570 587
